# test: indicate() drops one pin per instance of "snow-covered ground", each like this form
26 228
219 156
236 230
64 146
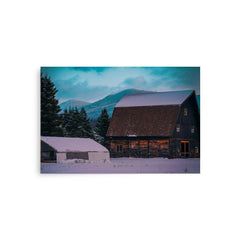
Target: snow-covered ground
127 165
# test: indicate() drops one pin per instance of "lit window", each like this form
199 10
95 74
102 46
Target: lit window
185 111
178 128
133 144
196 149
192 129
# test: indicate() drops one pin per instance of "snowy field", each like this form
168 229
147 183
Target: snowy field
127 165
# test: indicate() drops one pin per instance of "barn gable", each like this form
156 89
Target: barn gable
188 119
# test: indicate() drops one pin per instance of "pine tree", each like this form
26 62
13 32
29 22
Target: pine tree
77 123
50 120
65 122
86 126
102 127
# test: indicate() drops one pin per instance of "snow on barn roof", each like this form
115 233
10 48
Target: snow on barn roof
67 144
154 99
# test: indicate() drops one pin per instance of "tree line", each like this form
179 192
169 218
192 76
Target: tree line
72 122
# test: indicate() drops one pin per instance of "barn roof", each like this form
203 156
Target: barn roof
154 99
143 121
67 144
150 114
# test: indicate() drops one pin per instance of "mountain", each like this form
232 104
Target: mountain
94 109
72 103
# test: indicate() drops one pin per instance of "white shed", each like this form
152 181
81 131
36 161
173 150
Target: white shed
57 149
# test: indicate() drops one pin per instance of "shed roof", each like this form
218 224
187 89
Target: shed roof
154 99
68 144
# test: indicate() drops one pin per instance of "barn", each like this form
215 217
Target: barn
159 124
57 149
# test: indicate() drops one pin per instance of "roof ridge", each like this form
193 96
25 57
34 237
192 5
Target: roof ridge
154 98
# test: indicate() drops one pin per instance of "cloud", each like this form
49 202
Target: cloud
146 84
73 88
88 69
166 79
186 76
94 83
135 82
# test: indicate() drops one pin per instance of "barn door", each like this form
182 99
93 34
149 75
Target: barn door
185 148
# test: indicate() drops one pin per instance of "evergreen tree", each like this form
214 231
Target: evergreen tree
77 123
65 122
50 120
86 130
102 127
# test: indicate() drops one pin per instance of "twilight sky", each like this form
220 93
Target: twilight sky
94 83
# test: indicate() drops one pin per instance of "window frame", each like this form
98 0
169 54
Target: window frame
178 128
119 148
185 112
196 150
192 129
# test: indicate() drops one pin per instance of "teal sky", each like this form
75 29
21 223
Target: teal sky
93 83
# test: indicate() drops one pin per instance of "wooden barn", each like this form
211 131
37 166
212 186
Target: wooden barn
161 124
58 149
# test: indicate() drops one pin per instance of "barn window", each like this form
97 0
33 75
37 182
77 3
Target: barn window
119 148
163 144
196 149
185 148
192 129
178 128
185 111
133 144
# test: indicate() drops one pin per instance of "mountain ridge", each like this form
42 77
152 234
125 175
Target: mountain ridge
94 109
71 103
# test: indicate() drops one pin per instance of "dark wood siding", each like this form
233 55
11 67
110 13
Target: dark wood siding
115 151
186 123
139 148
47 153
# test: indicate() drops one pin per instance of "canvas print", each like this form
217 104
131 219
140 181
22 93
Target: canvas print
120 120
